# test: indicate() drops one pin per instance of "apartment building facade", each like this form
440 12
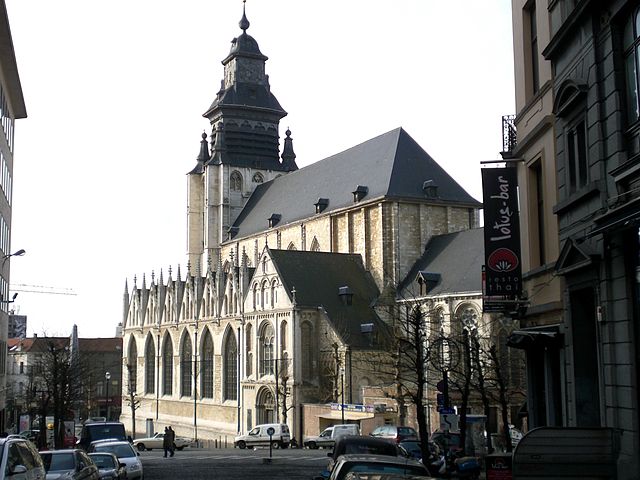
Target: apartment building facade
12 107
589 57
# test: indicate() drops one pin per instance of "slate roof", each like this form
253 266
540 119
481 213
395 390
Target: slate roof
457 257
391 165
89 345
317 276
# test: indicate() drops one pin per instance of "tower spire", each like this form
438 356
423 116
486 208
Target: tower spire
244 23
288 155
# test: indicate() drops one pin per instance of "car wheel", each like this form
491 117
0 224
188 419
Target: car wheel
312 445
141 447
242 445
275 445
180 448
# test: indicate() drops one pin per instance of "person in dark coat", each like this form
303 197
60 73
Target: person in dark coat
172 439
167 442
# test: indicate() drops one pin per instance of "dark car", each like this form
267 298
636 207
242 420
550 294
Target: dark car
375 467
447 441
412 449
109 467
93 431
69 464
395 433
360 444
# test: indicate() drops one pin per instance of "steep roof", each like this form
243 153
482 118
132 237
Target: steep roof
456 257
317 278
391 165
89 345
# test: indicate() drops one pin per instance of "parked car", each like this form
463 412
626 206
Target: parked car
360 445
395 433
447 441
20 460
328 436
125 453
109 467
73 464
92 431
156 440
259 436
375 464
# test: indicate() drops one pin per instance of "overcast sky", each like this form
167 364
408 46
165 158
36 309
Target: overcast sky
115 91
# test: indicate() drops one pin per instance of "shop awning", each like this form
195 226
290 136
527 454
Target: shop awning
337 415
531 339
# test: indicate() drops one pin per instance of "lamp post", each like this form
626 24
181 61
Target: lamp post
18 253
342 393
107 377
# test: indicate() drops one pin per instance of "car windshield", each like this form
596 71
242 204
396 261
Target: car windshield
58 461
103 461
411 445
406 431
122 450
378 449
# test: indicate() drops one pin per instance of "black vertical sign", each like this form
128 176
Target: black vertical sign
503 268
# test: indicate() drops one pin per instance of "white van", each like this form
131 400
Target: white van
328 437
259 436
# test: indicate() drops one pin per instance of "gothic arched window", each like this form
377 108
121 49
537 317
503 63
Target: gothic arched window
258 178
249 348
235 181
150 367
132 366
186 354
306 334
274 294
266 350
315 245
167 366
283 336
230 388
207 366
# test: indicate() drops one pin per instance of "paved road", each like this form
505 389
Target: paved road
231 464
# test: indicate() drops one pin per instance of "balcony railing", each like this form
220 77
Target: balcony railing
509 137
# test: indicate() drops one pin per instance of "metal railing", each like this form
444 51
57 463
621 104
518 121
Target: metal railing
509 137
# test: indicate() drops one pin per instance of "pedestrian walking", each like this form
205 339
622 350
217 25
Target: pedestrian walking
167 442
172 438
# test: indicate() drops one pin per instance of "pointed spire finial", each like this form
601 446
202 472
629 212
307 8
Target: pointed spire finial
288 155
244 23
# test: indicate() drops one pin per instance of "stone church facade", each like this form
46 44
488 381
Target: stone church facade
291 273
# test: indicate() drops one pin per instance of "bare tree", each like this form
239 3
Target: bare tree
132 397
59 383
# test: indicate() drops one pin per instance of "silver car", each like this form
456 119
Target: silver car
125 453
109 467
69 465
19 460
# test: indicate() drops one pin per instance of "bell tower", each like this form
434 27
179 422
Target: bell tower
244 118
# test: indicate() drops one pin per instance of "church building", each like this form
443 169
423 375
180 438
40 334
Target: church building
291 273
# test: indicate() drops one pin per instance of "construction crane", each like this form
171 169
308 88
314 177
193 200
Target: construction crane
21 287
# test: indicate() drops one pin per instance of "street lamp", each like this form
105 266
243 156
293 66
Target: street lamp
18 253
107 376
342 393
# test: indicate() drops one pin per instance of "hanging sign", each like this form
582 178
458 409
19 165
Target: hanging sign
503 266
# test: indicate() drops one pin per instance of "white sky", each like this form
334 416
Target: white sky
115 91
